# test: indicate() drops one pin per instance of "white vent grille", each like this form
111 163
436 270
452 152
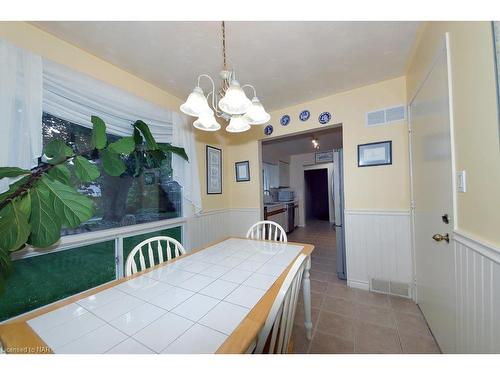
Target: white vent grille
385 116
390 287
375 118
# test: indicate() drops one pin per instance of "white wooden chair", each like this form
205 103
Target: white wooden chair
274 338
136 260
267 230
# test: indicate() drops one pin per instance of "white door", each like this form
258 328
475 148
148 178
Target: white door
432 184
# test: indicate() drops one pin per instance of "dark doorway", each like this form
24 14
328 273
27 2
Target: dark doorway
316 194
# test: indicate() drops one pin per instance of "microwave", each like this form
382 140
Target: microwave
286 195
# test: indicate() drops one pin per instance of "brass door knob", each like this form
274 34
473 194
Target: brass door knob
439 237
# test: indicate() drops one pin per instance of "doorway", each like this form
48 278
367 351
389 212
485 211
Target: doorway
316 194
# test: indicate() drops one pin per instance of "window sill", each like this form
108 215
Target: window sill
71 241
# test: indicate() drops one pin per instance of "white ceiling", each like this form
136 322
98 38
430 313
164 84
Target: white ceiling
287 62
283 148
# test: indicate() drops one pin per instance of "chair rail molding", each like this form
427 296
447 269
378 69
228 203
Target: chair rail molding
378 246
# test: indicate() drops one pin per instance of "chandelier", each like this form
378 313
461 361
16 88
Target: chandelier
229 103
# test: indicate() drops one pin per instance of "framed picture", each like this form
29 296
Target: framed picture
377 153
214 170
323 157
242 169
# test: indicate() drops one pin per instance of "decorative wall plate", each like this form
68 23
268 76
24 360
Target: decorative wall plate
324 118
268 130
304 115
285 120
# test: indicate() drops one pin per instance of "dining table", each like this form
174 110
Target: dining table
214 299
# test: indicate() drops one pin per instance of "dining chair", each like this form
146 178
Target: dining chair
274 338
267 230
136 260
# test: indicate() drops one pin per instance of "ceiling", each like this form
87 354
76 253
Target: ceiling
287 62
283 148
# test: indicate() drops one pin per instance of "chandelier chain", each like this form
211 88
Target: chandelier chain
224 44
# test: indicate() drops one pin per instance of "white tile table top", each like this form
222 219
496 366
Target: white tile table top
189 306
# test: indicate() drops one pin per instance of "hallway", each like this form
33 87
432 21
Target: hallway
347 320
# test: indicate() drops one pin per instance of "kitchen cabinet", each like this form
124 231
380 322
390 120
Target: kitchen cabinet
284 174
276 213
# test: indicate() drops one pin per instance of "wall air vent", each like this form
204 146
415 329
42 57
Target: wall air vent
385 116
390 287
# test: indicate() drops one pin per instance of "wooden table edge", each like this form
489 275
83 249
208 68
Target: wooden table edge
17 337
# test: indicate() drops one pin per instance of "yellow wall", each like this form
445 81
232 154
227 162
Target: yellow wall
33 39
475 115
384 187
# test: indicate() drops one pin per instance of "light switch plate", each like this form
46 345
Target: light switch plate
461 182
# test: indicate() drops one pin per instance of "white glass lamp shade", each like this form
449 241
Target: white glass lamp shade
196 103
238 124
207 123
257 115
235 102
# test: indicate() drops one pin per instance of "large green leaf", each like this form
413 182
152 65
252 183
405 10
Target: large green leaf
14 223
112 164
70 206
167 147
57 151
12 172
137 137
61 173
124 145
5 268
99 139
85 170
45 223
144 128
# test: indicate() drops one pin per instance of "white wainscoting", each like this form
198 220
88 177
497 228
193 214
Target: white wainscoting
216 225
478 295
378 245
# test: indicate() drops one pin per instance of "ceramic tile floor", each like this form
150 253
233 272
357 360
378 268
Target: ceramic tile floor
347 320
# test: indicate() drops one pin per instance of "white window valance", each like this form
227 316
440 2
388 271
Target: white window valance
20 109
74 97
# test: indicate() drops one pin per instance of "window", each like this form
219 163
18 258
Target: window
123 200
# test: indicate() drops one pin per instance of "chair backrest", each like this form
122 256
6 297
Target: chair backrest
267 230
155 252
275 336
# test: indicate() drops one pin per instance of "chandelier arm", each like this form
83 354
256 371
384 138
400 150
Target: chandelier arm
253 88
217 112
213 88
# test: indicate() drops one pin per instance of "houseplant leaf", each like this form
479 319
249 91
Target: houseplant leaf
12 172
167 147
124 145
144 129
45 223
56 151
112 164
14 225
85 170
61 173
137 137
98 133
70 206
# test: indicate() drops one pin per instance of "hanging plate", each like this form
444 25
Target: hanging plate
324 118
304 115
285 120
268 130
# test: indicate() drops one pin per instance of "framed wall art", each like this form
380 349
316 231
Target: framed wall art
242 169
323 157
373 154
214 170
